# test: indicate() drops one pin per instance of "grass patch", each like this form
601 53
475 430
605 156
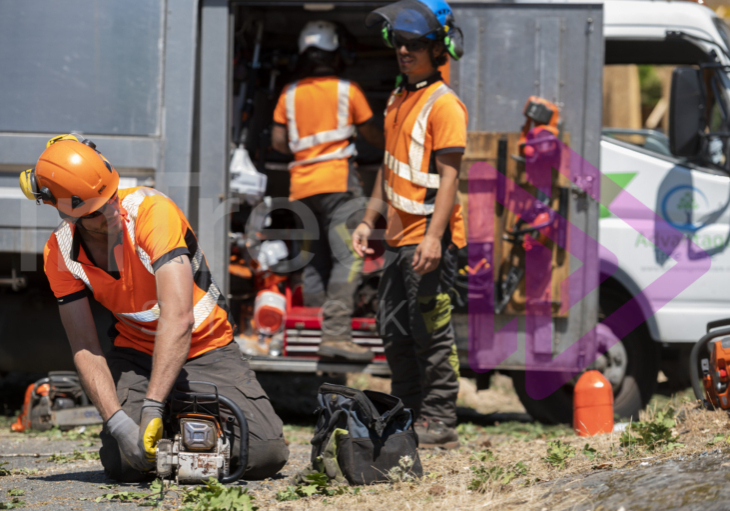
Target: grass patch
523 431
296 434
485 477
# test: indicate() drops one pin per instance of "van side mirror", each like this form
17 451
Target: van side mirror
687 118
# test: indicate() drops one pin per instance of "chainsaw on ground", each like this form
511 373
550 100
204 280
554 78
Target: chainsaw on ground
198 437
56 400
715 389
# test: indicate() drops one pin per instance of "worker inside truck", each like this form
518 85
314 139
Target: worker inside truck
315 119
134 251
425 138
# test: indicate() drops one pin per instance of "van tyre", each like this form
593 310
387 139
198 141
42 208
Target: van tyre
634 383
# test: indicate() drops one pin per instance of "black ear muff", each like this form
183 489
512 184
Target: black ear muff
76 202
46 195
33 184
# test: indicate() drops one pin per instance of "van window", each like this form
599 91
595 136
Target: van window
636 105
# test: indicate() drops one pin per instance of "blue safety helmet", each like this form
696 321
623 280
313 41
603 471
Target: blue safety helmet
416 19
443 14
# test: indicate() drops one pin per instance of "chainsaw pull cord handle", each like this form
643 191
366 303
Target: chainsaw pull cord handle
243 426
694 357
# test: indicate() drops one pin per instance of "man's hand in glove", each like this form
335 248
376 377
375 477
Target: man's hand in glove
150 429
126 433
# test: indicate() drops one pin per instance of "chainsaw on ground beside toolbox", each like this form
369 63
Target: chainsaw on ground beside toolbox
714 392
56 400
198 437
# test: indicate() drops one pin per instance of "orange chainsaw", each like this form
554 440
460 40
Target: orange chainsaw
714 392
57 400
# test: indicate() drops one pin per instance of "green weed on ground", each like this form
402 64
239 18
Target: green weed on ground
558 453
652 435
214 496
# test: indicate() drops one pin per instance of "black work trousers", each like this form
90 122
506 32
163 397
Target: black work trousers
333 274
226 368
414 320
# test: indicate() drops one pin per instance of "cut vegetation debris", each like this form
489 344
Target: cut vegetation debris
13 503
75 456
16 471
210 496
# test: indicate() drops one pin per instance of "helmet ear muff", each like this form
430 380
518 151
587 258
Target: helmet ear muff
452 42
387 34
29 186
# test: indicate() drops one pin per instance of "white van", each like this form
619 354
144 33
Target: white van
691 194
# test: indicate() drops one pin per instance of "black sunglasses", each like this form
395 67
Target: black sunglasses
411 44
93 214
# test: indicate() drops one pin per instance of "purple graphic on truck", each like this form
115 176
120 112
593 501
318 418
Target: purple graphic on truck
493 336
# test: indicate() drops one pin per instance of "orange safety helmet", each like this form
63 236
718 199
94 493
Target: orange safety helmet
72 176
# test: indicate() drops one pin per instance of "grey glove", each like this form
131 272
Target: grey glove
126 433
150 429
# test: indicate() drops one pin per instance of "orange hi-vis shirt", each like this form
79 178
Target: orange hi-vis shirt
320 114
421 121
156 232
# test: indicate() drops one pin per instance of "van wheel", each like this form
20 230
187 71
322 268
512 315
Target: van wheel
631 366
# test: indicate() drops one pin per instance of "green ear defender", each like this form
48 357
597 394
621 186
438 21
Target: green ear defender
452 45
385 32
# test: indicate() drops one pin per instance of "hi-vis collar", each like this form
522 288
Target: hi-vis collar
403 85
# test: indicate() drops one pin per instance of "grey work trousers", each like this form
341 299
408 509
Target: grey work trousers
226 368
333 274
414 320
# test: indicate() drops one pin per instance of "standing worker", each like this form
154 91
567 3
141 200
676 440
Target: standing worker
425 138
316 119
135 252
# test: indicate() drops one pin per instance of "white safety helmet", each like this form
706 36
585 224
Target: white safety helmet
319 34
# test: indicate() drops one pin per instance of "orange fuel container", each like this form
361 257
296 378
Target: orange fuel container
592 405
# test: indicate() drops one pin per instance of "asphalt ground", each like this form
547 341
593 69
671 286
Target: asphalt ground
50 485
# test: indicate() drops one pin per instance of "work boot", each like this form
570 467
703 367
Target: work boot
433 433
347 350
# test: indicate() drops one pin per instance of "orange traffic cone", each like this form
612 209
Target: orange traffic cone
592 405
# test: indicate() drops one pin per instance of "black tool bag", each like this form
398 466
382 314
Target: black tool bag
365 436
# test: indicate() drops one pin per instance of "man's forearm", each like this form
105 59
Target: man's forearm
172 345
97 381
375 205
443 206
